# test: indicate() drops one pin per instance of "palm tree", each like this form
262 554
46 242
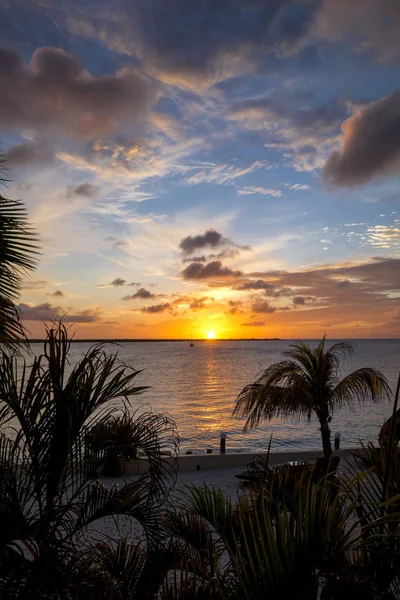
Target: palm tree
302 543
308 383
49 496
18 255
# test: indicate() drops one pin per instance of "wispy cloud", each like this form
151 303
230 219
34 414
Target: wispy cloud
253 189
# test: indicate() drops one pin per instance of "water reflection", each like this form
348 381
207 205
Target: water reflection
198 386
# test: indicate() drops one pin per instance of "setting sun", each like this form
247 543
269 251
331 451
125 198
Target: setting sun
211 335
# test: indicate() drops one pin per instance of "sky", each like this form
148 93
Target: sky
225 166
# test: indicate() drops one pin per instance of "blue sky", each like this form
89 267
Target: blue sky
129 126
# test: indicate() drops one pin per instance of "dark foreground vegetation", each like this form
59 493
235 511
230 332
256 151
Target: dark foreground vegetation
293 534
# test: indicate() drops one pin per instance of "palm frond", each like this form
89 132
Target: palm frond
285 550
19 251
359 386
278 392
306 383
46 464
210 503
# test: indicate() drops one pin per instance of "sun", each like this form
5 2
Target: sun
211 335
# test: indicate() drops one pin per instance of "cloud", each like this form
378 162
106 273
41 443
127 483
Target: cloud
157 308
253 189
29 154
195 44
56 92
35 285
190 259
87 190
253 324
299 301
235 307
58 294
262 307
343 284
367 25
294 125
360 284
229 252
292 112
222 174
119 282
210 270
48 312
300 186
200 303
370 145
210 238
141 293
258 284
224 254
383 236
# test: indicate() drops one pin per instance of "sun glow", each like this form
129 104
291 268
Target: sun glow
211 335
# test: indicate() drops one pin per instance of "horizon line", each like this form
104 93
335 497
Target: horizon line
208 340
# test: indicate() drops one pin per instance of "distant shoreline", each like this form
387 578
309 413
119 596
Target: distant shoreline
130 340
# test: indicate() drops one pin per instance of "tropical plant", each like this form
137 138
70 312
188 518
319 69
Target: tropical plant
118 437
304 543
308 383
18 255
50 505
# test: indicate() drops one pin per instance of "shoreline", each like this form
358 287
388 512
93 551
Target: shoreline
208 462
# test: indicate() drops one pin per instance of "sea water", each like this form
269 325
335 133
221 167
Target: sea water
198 385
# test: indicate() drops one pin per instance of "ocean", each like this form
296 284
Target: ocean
198 386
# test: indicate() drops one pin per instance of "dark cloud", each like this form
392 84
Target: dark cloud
190 259
200 303
87 190
210 238
258 284
299 301
253 324
198 42
371 26
141 293
119 282
372 283
28 154
56 92
343 284
370 146
84 316
48 312
262 307
210 270
229 252
224 254
39 312
58 294
157 308
235 307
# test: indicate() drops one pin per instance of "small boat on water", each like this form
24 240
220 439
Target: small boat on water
191 339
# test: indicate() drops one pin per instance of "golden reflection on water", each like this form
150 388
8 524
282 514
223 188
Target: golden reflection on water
198 385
